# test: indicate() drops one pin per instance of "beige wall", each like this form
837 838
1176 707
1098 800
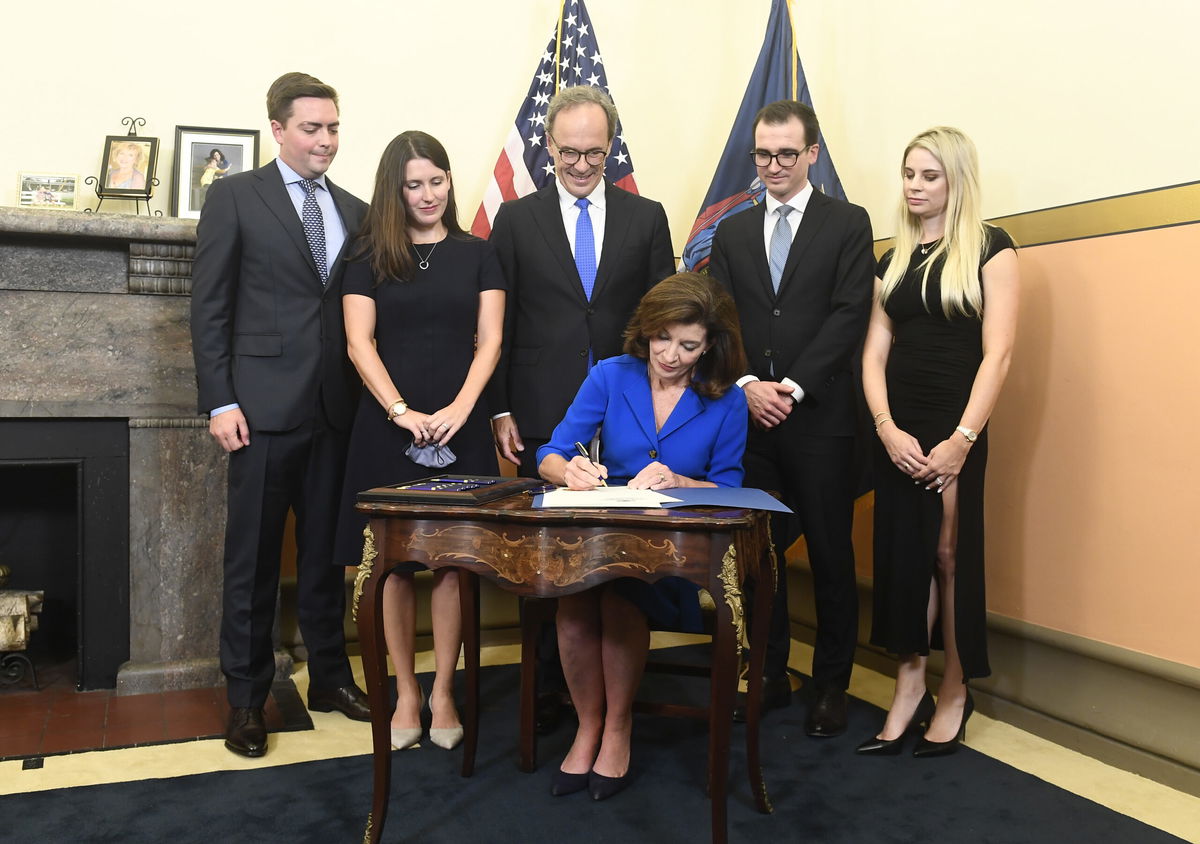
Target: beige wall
1067 101
1038 85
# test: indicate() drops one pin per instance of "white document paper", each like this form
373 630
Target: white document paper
606 496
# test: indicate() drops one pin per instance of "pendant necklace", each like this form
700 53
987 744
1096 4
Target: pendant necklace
925 247
423 263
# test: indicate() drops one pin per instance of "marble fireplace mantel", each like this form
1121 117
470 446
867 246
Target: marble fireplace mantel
94 323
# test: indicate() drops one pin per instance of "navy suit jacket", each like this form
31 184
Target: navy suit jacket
702 439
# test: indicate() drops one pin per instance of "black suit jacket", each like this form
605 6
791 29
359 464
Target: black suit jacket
549 325
265 333
813 329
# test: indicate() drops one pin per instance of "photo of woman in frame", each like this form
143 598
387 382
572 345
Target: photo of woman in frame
127 162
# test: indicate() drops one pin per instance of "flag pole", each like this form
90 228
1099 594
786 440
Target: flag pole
562 7
795 91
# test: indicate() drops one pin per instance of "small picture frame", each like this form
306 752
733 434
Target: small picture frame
202 156
55 191
128 166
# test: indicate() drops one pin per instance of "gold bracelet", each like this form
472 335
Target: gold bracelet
886 418
880 413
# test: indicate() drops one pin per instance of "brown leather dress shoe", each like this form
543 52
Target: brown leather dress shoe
348 700
246 732
776 694
827 715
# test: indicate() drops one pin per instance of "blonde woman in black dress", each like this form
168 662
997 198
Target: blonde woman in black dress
936 355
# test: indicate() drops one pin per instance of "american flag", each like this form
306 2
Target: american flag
571 58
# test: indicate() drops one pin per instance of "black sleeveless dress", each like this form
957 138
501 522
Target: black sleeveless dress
425 336
930 371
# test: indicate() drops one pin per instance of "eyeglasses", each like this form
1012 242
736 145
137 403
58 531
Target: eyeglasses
786 158
570 156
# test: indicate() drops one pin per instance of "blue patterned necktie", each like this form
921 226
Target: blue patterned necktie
314 228
781 243
585 249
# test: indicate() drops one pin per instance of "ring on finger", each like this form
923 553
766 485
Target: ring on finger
940 481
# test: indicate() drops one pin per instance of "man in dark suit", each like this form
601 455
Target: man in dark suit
578 255
800 267
273 376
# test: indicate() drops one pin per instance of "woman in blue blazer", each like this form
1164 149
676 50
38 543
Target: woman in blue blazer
670 415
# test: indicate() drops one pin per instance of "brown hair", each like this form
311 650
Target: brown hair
384 232
291 87
693 299
781 111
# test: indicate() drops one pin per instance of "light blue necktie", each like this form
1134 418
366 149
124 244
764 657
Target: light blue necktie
314 228
585 249
781 242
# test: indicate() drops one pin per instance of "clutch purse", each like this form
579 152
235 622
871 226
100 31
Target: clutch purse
434 456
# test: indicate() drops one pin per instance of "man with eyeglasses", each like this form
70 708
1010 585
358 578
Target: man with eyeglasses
801 269
578 255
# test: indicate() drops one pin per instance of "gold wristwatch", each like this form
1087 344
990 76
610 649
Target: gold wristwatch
968 433
397 408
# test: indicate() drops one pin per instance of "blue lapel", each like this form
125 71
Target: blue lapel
641 403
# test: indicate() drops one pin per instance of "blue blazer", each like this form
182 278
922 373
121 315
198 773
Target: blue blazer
702 438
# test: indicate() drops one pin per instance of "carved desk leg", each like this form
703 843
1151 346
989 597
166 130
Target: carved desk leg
727 597
758 556
468 601
368 612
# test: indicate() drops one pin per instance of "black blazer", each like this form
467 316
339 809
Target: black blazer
265 334
549 325
814 328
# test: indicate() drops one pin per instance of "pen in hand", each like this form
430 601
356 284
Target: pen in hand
584 453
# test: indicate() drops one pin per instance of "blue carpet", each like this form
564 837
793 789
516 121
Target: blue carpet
821 791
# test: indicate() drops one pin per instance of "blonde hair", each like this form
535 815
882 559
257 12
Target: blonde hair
962 244
138 148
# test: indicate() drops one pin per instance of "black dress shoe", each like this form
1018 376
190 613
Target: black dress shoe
875 746
602 787
548 715
246 733
563 783
926 748
776 694
348 700
827 715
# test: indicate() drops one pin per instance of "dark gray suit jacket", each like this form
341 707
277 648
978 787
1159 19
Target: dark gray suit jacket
265 333
549 325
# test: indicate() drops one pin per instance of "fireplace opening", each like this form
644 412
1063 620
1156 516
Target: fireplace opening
39 545
64 530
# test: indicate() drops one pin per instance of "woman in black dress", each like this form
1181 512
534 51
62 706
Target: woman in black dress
936 355
424 310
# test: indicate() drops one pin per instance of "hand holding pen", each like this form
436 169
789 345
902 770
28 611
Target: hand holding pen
593 473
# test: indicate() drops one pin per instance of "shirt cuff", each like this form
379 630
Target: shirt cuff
797 390
505 413
223 408
746 379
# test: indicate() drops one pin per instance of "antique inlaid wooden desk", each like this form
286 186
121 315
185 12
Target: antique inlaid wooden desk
552 552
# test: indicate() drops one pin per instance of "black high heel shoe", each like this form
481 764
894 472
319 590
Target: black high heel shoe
563 783
875 746
926 748
603 787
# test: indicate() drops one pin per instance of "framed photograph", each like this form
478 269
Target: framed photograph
203 155
47 190
127 169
